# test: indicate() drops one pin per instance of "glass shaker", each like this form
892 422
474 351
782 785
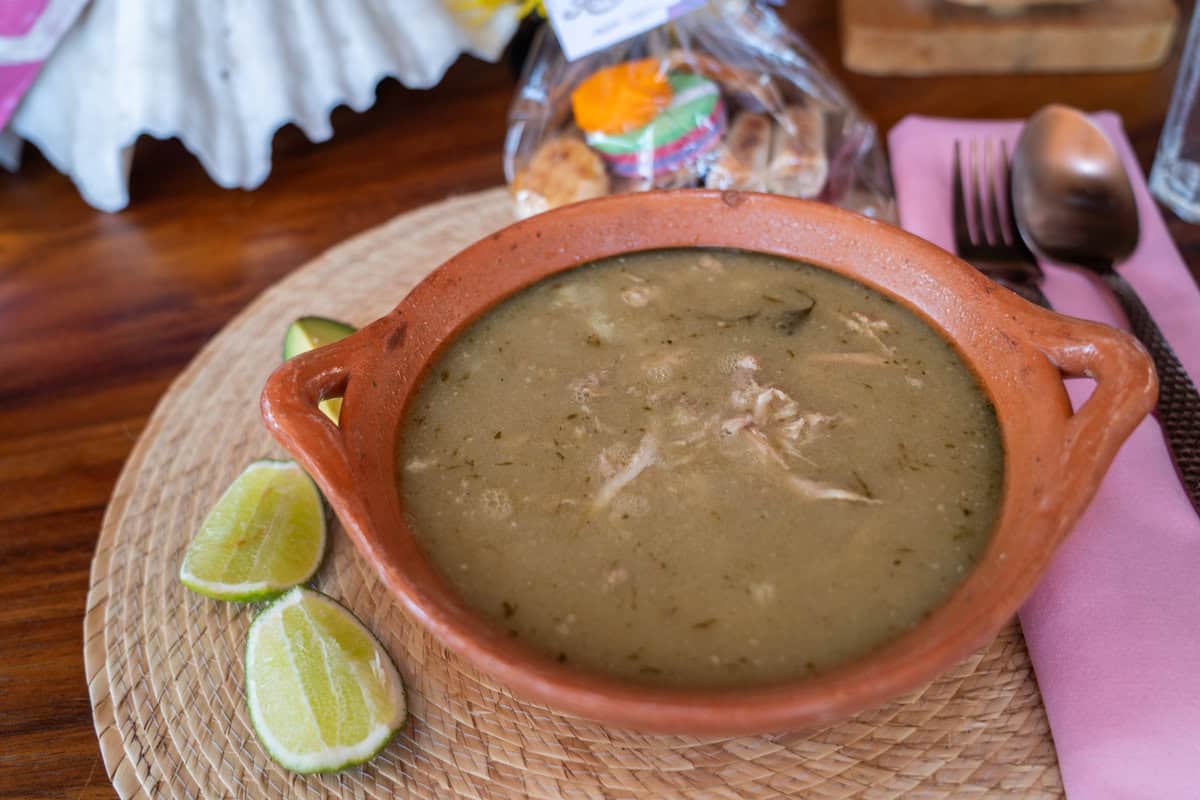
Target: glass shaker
1175 176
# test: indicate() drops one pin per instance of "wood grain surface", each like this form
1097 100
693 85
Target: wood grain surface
930 37
98 312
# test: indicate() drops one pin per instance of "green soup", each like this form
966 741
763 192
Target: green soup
701 468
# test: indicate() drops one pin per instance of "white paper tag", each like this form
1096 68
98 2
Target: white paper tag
585 26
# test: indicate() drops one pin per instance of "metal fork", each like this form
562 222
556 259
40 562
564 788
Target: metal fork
983 235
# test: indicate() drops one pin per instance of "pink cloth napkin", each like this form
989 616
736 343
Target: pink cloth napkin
29 32
1114 627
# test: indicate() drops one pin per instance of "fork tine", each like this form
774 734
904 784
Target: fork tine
993 197
962 232
996 249
981 234
1015 238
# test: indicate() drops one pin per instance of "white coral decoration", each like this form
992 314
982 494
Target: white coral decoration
224 75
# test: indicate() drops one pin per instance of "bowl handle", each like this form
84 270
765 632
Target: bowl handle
1126 391
290 407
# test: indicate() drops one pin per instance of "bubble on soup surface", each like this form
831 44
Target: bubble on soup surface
613 458
496 503
763 592
637 296
736 361
659 373
615 577
631 505
584 390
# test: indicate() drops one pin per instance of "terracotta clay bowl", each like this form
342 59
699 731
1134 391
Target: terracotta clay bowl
1020 352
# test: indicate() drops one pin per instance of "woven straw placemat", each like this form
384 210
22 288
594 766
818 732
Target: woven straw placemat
164 666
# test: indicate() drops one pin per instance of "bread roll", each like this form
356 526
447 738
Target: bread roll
798 164
563 170
742 159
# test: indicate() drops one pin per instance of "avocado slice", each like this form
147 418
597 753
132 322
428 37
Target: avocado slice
309 333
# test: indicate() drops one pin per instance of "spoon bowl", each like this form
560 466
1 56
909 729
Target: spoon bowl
1072 198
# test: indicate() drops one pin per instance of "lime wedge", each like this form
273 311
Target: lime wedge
309 333
322 692
265 535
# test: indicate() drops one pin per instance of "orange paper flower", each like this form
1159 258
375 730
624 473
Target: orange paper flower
622 97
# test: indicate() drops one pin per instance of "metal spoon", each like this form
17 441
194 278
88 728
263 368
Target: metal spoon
1074 203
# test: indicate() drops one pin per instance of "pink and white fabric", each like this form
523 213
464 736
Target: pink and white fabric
29 32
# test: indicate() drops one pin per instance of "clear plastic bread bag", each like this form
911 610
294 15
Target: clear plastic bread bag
725 97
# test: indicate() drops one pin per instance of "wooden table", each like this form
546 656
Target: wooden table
99 312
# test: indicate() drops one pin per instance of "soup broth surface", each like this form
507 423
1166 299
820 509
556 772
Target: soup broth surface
701 468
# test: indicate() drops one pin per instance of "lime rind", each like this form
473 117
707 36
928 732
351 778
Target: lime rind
233 592
267 565
376 676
